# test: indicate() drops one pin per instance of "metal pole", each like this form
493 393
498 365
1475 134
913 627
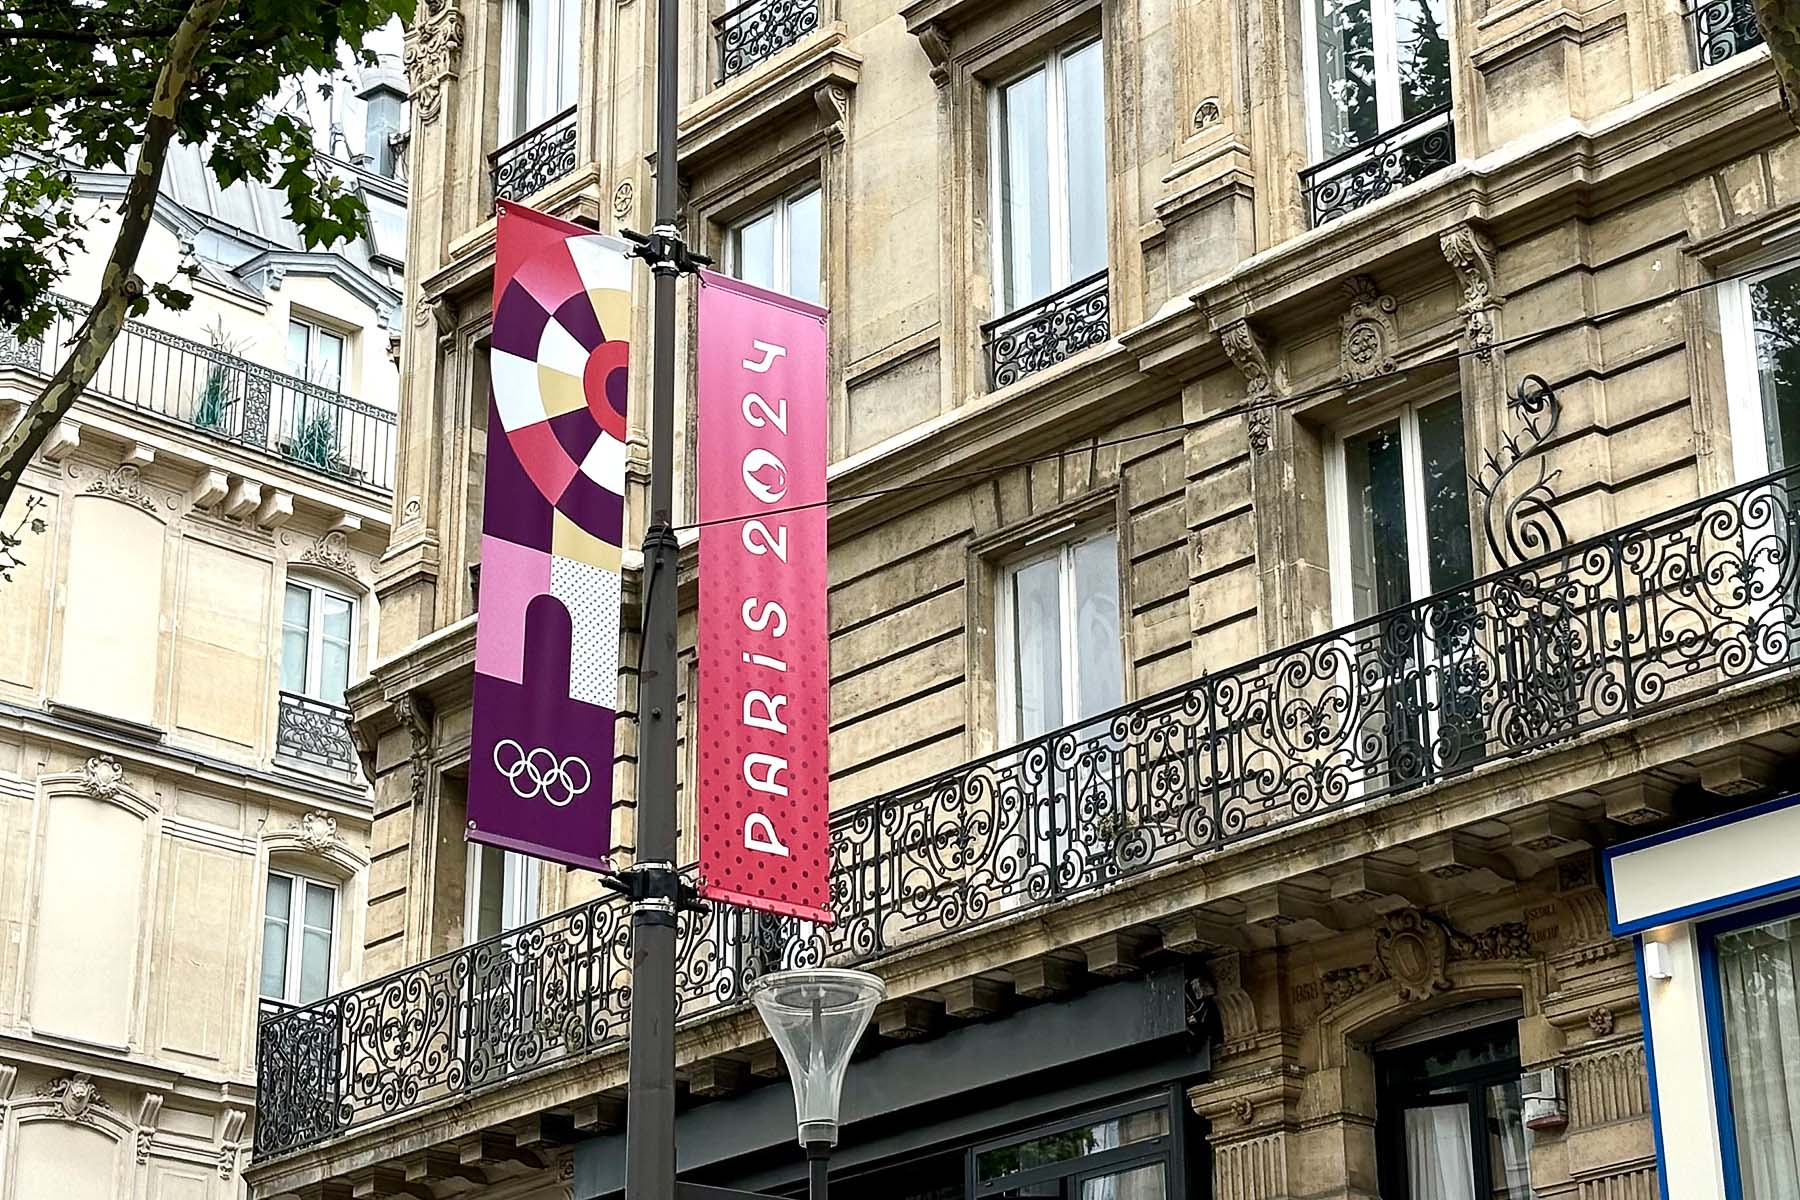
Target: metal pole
654 886
818 1170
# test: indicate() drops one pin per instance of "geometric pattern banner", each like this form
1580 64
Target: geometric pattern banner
547 629
764 814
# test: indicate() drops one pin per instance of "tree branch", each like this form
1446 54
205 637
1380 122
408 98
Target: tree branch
120 286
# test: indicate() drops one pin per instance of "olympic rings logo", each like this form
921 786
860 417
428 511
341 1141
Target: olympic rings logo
540 773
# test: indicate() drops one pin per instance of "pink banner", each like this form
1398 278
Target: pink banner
765 702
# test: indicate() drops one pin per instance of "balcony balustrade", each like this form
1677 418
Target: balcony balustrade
756 32
1687 603
1402 155
535 159
1722 28
1043 334
315 732
226 397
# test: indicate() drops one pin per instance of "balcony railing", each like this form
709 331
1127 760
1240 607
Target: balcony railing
1043 334
1684 604
535 159
758 31
227 397
1402 155
315 732
1722 28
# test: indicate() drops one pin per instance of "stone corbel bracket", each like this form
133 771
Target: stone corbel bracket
1264 381
1470 253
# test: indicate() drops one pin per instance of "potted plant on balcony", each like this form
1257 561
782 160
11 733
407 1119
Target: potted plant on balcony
315 443
215 401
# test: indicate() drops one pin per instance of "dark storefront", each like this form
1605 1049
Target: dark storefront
1076 1099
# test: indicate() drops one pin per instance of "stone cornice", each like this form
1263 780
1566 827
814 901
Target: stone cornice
206 1089
743 109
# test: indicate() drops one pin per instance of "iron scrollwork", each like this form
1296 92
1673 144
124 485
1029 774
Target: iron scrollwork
1581 637
1403 155
1055 328
314 731
756 32
1723 28
536 159
1520 522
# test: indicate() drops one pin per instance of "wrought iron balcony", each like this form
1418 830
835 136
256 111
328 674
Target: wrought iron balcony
1693 601
535 159
1722 28
315 732
227 397
756 32
1402 155
1043 334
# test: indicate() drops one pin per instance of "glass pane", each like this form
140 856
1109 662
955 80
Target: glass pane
297 348
513 121
568 53
1375 482
334 649
1024 193
274 958
1440 1161
293 661
1448 539
490 892
1072 1144
335 618
1037 649
540 85
754 251
315 965
1422 52
1775 309
1509 1144
279 901
1138 1183
321 903
1099 666
328 360
1346 82
1085 102
803 246
1757 969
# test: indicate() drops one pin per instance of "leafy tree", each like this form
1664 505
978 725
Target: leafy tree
110 84
1779 23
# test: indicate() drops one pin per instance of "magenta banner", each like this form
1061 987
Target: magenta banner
547 630
765 702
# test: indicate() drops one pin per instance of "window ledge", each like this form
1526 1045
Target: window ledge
800 77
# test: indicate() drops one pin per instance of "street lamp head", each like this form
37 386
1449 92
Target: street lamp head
816 1018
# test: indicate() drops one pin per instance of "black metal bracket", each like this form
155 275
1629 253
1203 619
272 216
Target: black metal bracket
654 883
659 249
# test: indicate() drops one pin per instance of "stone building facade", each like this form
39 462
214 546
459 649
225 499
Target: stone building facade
185 592
1302 480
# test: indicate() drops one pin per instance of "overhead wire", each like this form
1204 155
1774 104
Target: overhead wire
1249 406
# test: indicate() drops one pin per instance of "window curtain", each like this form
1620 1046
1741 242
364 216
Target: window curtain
1757 970
1440 1160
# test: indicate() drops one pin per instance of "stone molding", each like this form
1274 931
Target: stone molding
432 53
1470 252
1370 341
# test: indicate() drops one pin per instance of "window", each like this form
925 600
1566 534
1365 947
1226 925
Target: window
1117 1154
1048 134
778 248
1449 1118
299 938
317 631
540 44
1376 65
1404 529
1751 972
316 355
502 891
1061 658
1762 369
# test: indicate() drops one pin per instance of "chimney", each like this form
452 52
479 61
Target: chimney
382 89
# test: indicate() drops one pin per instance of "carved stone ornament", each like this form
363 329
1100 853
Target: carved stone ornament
76 1097
414 712
1414 948
1600 1021
124 482
1208 113
332 551
318 831
101 776
1471 254
433 45
833 102
1262 383
936 45
1370 338
146 1125
622 199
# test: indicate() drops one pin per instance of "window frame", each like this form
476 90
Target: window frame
519 891
1057 166
1743 379
1389 104
296 932
1337 503
1392 1103
315 636
780 208
520 86
1059 543
1164 1148
1712 1001
315 330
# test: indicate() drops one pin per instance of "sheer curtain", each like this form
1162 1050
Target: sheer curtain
1757 969
1440 1160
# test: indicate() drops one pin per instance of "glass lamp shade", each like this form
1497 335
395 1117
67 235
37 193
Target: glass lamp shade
816 1018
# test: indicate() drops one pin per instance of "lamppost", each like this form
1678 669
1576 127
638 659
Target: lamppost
815 1018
